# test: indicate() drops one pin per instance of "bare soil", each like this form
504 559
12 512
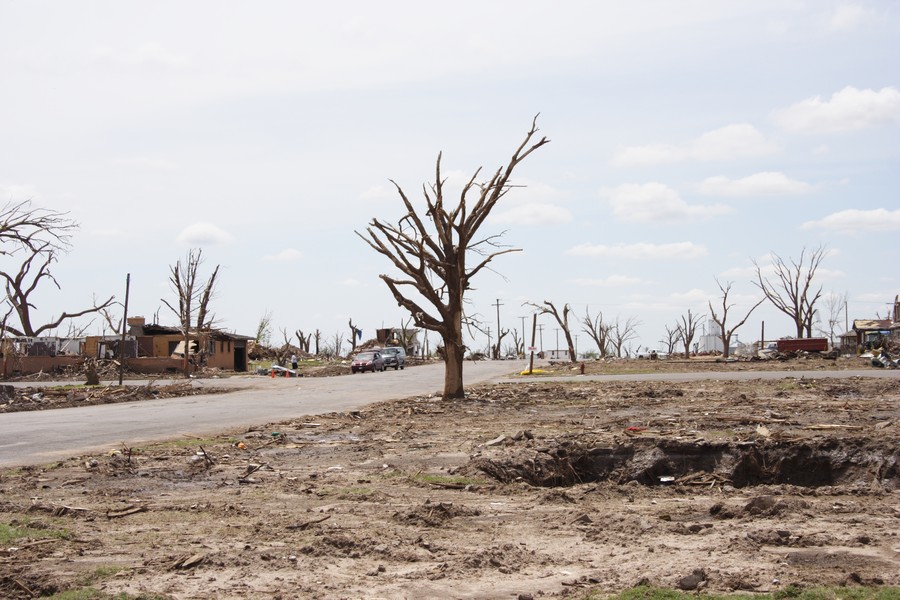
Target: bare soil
534 489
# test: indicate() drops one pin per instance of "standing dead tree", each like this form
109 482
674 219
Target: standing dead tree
23 225
355 333
792 291
518 343
562 319
303 340
687 329
721 319
496 350
835 312
194 297
22 284
431 248
671 340
597 330
40 235
621 333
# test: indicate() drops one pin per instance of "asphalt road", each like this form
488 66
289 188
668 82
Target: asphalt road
39 437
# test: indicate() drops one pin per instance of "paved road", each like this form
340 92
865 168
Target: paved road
39 437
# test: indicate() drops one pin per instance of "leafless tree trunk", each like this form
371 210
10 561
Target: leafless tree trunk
497 346
721 320
597 330
21 285
303 340
835 305
518 343
317 337
562 319
354 333
194 298
337 345
671 339
792 291
431 249
620 333
687 329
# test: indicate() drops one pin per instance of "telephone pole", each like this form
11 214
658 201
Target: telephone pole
498 305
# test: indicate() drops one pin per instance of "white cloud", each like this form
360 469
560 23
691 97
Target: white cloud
657 202
286 255
200 234
739 140
760 184
858 221
847 110
611 281
641 251
535 213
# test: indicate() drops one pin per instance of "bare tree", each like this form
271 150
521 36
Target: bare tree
620 333
335 348
562 319
597 330
518 343
355 332
673 335
835 307
431 250
21 285
687 329
23 225
721 319
503 333
792 291
194 297
303 340
317 338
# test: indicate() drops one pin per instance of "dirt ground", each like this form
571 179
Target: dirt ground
526 490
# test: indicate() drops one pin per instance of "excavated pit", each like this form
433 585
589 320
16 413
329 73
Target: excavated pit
807 463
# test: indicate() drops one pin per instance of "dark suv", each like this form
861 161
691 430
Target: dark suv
394 357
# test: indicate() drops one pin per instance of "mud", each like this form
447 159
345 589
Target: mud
535 489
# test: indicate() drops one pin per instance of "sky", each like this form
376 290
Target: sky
690 140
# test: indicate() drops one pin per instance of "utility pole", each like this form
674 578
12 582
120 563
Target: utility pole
124 329
557 339
498 305
489 340
540 328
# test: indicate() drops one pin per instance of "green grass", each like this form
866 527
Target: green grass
790 592
14 533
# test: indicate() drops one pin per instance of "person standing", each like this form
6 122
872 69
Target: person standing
294 361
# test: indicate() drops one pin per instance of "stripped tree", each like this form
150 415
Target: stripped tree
194 297
562 319
721 319
687 329
597 330
791 289
31 239
432 249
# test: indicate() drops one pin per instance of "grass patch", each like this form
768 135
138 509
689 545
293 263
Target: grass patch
99 574
90 593
11 533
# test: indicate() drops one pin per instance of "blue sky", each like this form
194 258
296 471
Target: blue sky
688 139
